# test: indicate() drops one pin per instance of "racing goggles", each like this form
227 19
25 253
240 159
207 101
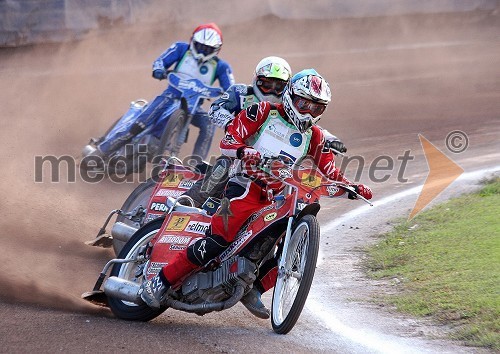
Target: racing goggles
271 86
204 49
303 105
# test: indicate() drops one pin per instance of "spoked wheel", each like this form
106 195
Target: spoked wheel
295 278
139 197
134 271
169 142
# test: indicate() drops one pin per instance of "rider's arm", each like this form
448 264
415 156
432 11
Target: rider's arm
332 142
169 57
224 74
226 107
324 158
243 126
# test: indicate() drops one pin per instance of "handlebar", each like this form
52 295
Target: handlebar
336 152
266 166
351 190
192 86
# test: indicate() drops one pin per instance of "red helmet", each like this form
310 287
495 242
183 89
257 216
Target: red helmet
206 41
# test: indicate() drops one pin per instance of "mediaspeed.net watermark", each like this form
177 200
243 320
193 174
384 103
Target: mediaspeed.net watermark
442 170
94 169
67 169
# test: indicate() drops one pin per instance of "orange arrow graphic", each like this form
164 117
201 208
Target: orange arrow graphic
442 172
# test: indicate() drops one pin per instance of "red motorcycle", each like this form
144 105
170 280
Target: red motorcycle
286 231
147 202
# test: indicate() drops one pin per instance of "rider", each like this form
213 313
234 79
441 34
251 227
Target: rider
271 75
263 128
197 59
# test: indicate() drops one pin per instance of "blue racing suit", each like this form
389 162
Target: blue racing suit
207 72
237 98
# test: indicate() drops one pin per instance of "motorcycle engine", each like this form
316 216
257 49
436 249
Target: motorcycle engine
217 285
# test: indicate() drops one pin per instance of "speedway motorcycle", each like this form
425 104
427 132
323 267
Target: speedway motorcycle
144 203
147 202
163 137
286 230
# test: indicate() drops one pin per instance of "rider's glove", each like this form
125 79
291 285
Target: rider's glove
248 155
159 74
335 145
220 116
332 142
136 128
362 190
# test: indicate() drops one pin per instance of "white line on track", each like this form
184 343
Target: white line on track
401 195
370 339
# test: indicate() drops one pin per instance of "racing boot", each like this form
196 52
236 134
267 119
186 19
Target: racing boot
153 291
253 303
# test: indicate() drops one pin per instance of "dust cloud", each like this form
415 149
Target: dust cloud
385 76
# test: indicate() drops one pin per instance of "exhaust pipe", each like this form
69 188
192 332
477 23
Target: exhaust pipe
122 289
126 290
207 307
122 232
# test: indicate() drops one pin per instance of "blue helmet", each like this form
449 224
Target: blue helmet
305 98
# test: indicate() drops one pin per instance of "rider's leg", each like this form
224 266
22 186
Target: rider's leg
153 290
223 229
152 112
267 275
213 184
224 226
207 131
265 281
254 201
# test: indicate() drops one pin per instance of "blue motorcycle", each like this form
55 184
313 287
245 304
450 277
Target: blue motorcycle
164 137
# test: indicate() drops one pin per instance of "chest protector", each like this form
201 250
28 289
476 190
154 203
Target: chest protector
278 137
204 72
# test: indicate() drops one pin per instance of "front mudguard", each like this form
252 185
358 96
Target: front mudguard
310 209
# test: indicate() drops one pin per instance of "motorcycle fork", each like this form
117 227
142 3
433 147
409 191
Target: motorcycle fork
183 134
288 235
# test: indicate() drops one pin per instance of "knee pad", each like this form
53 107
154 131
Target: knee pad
205 249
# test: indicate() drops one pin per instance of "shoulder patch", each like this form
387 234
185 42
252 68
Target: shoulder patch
252 112
241 89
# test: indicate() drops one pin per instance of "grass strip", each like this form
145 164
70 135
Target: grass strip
447 263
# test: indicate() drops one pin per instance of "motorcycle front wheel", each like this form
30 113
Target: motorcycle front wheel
134 271
169 142
294 279
139 197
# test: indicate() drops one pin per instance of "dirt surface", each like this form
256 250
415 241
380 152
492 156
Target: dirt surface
392 78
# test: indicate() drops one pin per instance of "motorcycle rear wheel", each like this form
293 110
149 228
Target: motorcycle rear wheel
294 281
139 196
169 142
132 271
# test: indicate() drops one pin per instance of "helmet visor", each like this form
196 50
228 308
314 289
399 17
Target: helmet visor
271 86
204 49
303 105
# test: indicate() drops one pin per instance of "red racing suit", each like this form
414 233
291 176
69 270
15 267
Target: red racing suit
256 126
247 128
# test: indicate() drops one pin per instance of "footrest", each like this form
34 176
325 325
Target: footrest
104 240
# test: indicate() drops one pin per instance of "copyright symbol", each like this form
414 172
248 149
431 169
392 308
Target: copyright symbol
457 141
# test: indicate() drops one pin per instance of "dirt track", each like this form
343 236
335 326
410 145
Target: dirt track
392 78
